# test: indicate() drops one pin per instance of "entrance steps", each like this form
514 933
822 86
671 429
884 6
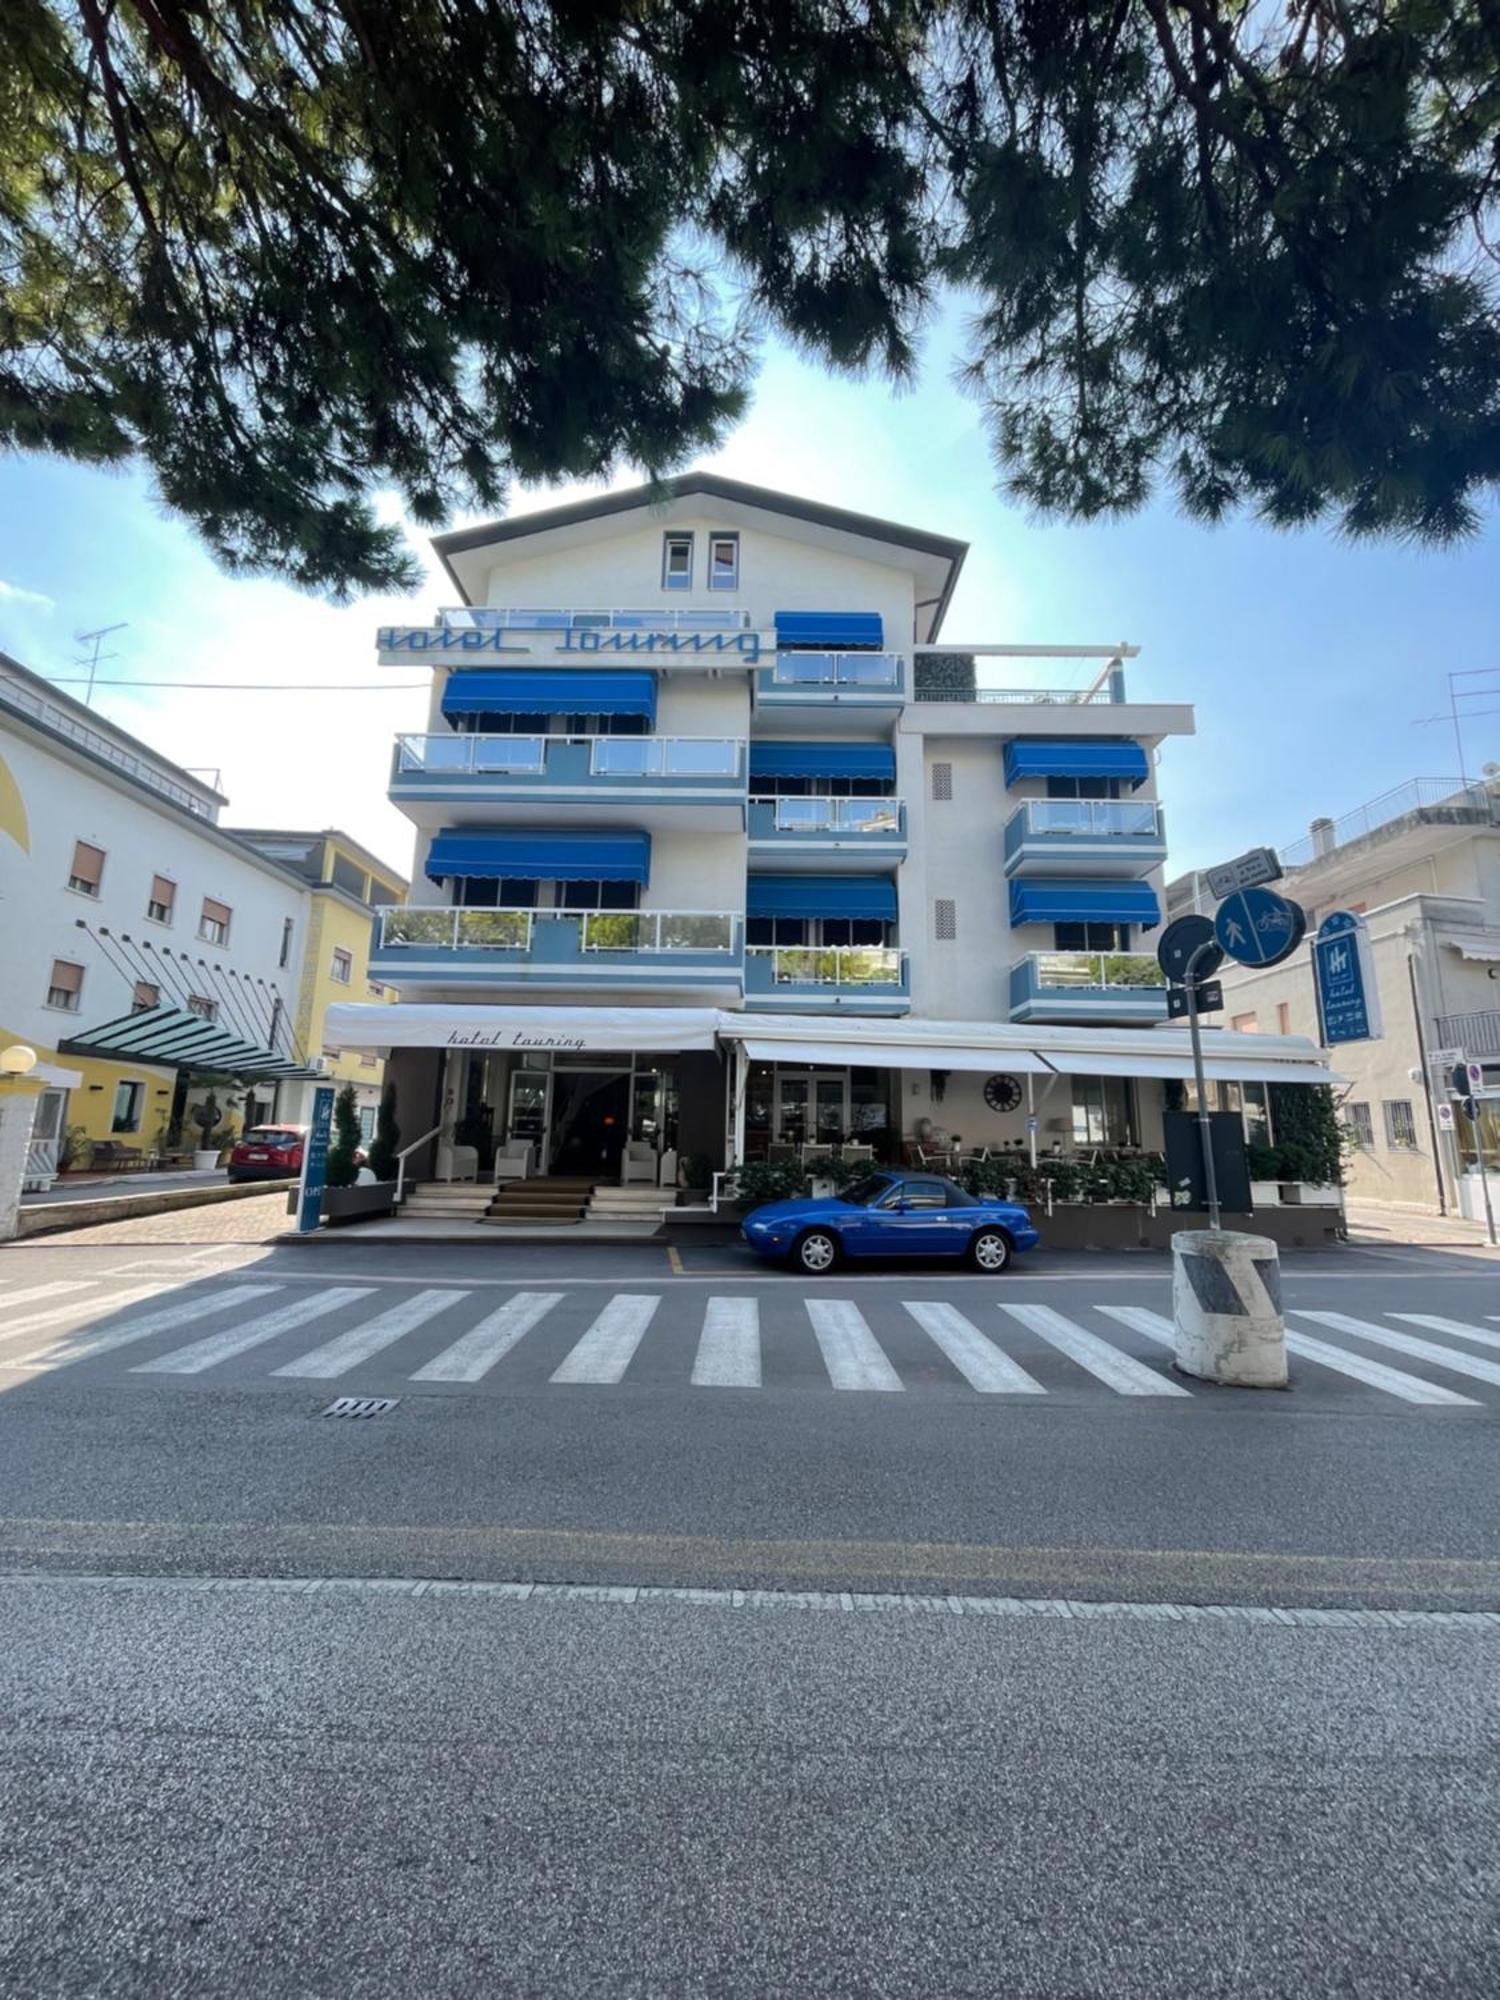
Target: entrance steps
448 1201
638 1203
548 1202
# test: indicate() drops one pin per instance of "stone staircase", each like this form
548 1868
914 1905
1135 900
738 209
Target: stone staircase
636 1203
552 1201
448 1201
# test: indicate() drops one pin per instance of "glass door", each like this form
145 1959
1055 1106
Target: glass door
830 1109
531 1110
46 1139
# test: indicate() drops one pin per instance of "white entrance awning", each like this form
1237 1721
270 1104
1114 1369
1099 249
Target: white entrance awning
1217 1068
527 1030
884 1055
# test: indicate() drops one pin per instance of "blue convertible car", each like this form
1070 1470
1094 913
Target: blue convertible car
891 1214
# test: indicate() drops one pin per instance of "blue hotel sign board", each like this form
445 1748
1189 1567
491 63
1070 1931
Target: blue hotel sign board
1344 972
315 1161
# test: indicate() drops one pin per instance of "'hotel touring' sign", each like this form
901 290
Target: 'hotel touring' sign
446 640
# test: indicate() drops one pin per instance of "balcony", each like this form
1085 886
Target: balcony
852 979
1478 1035
827 833
1115 988
695 783
631 952
822 690
1100 837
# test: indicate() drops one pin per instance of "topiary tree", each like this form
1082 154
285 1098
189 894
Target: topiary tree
1310 1142
387 1137
341 1163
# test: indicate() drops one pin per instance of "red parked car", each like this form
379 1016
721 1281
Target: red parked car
267 1153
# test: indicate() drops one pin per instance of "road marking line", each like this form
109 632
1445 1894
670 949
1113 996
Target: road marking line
1407 1343
73 1348
674 1262
1117 1371
605 1351
1374 1374
729 1346
490 1340
217 1347
51 1291
93 1309
1438 1324
852 1355
982 1363
360 1342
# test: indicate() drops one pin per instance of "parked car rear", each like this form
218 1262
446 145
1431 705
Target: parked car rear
267 1153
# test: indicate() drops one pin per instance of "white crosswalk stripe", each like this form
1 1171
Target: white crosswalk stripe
1120 1372
983 1364
1408 1343
1435 1323
95 1307
605 1351
52 1291
217 1347
347 1350
471 1357
83 1344
728 1354
852 1355
1374 1374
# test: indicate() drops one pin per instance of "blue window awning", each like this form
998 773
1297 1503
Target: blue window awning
1044 901
770 759
539 856
1075 757
836 630
502 692
872 896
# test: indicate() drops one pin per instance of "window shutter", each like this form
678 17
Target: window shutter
87 871
942 782
66 977
163 891
146 995
945 920
215 913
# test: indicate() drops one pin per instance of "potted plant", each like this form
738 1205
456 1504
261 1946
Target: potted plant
383 1164
206 1117
344 1198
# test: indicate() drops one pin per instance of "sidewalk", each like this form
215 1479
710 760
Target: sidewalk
95 1187
1380 1222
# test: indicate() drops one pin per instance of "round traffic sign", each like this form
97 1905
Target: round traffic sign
1258 927
1180 940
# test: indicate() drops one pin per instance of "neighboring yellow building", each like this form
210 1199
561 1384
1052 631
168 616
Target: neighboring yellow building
346 885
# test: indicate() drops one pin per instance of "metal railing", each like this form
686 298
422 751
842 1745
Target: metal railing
609 756
828 815
877 670
1476 1034
1439 801
1045 696
1071 970
554 618
832 965
1092 817
102 746
598 930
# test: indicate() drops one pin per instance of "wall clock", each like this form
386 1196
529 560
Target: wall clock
1002 1093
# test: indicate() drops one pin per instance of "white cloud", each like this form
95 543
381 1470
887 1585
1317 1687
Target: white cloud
30 600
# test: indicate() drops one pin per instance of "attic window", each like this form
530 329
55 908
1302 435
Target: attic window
677 562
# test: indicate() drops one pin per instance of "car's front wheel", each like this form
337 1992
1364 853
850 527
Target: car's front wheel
816 1252
990 1251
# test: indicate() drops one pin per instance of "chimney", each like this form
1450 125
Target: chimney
1322 837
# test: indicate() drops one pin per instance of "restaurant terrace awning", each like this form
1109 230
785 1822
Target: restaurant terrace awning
174 1038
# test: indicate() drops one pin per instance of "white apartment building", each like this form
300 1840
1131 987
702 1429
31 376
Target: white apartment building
718 857
1422 865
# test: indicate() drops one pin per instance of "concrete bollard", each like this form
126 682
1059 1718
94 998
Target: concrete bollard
1226 1308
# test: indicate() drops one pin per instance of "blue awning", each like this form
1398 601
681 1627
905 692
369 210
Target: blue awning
1044 901
822 760
503 692
822 896
1075 757
538 856
836 630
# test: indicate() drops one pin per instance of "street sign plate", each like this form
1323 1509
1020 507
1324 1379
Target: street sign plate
1258 927
1210 999
1445 1116
1445 1058
1246 871
1180 940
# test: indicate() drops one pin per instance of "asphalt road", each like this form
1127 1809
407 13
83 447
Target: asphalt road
216 1779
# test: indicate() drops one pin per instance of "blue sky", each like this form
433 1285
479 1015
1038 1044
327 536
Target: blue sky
1309 660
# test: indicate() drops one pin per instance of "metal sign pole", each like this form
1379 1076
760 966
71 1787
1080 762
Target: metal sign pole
1205 1129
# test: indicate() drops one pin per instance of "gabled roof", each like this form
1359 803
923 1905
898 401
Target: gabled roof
940 553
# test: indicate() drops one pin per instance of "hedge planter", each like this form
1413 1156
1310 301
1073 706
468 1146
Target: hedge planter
358 1204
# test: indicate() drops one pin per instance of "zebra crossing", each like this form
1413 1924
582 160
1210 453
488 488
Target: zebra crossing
455 1336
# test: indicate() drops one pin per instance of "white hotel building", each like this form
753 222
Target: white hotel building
716 862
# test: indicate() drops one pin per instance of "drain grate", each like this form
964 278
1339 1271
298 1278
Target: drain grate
361 1406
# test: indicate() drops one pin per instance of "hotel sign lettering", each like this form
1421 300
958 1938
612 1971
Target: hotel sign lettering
441 639
447 640
515 1038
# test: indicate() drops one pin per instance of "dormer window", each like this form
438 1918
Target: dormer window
677 562
723 562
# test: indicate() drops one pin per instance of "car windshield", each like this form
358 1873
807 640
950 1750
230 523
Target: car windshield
870 1189
271 1135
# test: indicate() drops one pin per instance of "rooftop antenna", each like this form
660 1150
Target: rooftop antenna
96 659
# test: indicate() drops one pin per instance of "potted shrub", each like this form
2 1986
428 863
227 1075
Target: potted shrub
206 1117
387 1139
344 1199
1311 1144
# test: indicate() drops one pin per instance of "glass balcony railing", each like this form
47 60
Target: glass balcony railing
552 618
868 670
825 815
666 756
608 756
457 930
658 930
594 931
1070 971
494 754
831 965
1096 818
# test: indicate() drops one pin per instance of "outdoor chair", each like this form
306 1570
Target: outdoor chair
638 1162
513 1160
457 1163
